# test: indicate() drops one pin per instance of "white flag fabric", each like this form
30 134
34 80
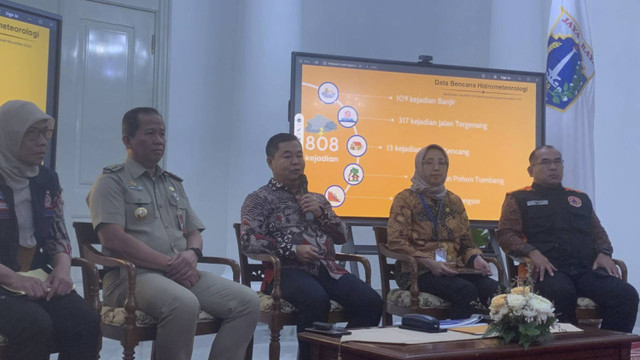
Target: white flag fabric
570 93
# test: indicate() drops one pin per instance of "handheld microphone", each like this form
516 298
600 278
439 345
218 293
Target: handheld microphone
304 189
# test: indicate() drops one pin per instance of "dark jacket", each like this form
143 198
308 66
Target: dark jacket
48 220
561 224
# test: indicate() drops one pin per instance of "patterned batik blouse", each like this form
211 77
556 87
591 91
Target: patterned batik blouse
411 231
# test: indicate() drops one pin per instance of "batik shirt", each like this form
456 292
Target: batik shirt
273 223
411 231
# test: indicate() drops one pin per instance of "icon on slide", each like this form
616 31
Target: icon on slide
320 125
353 174
335 195
348 116
356 145
328 92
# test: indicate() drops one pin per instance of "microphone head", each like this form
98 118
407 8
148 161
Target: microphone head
303 183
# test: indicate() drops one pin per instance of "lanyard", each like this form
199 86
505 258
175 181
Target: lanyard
430 214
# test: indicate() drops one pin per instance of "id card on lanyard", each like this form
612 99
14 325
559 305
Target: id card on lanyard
441 253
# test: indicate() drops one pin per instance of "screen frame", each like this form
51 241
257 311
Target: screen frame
53 66
294 107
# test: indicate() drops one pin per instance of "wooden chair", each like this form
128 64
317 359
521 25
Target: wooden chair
586 308
274 311
91 295
128 324
401 302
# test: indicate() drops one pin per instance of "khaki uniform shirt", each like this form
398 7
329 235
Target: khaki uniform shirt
154 210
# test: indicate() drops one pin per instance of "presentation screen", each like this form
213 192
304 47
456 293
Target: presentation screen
29 44
362 121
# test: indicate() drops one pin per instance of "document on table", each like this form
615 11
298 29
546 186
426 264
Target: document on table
393 335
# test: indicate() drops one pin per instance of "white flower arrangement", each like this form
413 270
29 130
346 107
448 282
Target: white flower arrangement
521 315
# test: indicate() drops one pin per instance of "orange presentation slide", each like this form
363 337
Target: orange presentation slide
361 130
24 61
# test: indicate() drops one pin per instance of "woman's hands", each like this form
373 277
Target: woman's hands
438 268
481 264
59 282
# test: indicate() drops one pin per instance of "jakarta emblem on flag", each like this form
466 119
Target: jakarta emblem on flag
569 62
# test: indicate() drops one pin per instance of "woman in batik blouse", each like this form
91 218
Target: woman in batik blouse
430 223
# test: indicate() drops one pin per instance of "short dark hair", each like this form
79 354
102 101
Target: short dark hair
131 122
532 156
274 143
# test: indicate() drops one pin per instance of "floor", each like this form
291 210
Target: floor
111 350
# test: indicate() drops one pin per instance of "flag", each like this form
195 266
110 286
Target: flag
570 91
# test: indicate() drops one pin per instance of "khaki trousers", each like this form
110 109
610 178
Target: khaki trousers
176 309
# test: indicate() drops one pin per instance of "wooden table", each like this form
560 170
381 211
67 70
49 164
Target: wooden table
593 344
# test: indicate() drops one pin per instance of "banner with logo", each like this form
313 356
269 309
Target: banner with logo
570 92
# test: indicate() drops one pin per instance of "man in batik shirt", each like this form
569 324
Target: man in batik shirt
300 228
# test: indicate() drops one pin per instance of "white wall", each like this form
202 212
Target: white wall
399 30
265 35
616 45
200 117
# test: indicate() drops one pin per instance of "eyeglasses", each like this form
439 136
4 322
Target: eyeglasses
33 133
431 163
547 162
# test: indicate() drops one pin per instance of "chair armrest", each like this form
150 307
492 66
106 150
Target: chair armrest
235 267
396 255
99 258
130 304
413 268
266 257
92 291
623 268
402 257
361 259
276 293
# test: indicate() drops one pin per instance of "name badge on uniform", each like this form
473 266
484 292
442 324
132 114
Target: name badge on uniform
537 202
181 220
441 255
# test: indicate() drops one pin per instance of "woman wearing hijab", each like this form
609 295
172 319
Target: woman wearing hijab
36 316
430 223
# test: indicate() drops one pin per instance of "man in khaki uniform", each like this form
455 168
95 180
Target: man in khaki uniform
141 213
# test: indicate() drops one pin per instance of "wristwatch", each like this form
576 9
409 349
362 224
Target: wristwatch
197 251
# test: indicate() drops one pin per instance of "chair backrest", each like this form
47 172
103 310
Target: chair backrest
86 235
87 239
250 272
387 271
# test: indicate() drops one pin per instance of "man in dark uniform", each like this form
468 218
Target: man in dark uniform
570 252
